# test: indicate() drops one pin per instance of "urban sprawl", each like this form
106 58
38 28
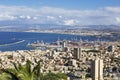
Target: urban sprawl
80 60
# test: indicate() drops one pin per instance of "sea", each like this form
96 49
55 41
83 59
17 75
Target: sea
12 41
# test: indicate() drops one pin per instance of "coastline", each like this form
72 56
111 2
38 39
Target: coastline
59 32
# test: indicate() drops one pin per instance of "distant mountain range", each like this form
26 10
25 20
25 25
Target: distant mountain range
24 26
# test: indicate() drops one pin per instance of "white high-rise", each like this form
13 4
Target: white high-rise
97 69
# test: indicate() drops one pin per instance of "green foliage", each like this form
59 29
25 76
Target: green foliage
62 76
26 72
36 70
21 72
53 76
4 76
11 73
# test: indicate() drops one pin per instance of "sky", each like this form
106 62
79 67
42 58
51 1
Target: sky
67 4
65 12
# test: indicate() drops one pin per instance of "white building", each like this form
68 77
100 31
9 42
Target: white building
97 69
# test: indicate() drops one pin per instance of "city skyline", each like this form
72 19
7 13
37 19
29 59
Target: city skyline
79 12
59 39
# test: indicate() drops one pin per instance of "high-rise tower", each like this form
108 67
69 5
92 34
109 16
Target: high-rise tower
97 69
77 53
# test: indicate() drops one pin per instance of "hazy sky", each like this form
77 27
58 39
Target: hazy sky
67 4
68 12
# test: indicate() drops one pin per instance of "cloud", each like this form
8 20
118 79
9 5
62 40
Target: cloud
28 17
22 17
118 19
69 22
113 9
34 18
52 15
6 17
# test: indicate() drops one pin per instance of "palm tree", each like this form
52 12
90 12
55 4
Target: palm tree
24 72
7 77
37 74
